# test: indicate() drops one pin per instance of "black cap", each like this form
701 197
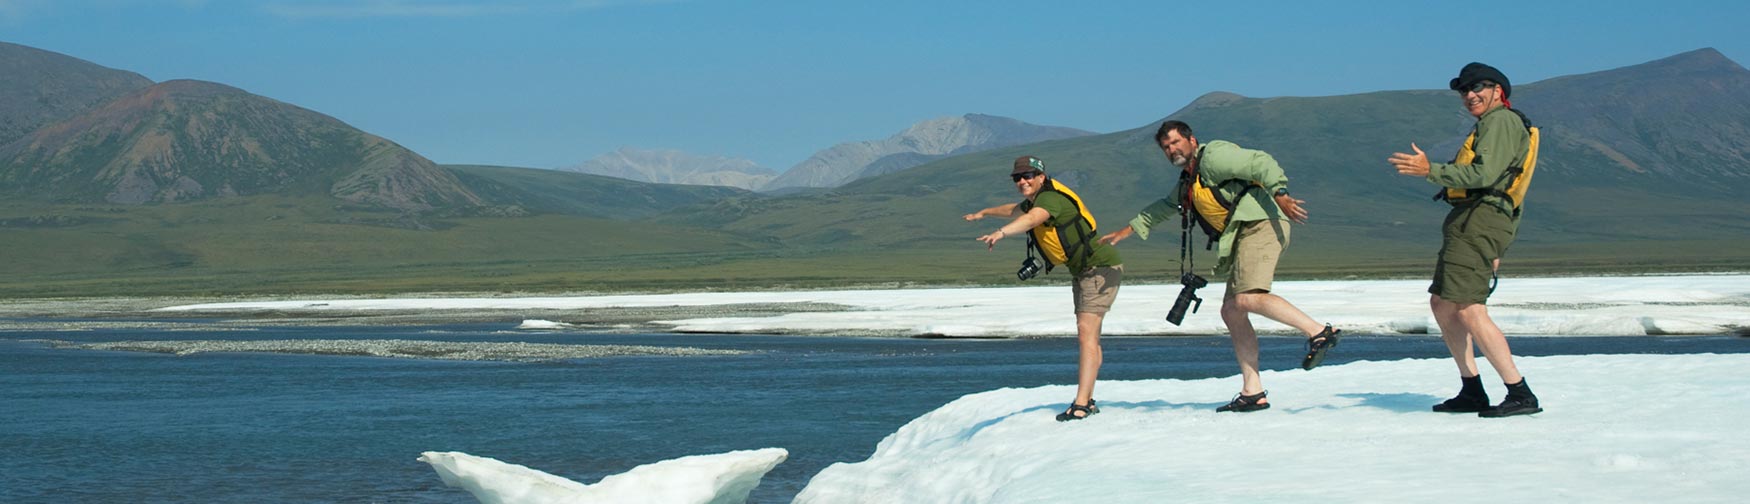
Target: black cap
1026 164
1475 72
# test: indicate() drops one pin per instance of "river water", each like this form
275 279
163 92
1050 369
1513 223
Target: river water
115 426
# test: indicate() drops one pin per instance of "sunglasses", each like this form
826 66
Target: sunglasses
1477 87
1024 176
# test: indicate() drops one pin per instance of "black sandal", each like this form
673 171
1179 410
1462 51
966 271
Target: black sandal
1316 347
1243 403
1087 411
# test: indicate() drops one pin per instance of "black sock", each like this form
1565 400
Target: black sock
1473 387
1520 389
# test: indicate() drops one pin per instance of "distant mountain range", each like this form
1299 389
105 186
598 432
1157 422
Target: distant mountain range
1651 153
922 142
105 175
565 193
676 167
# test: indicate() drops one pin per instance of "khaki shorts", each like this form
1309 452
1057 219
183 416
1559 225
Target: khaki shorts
1256 249
1097 288
1473 237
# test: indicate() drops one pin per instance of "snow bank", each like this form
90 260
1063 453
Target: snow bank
543 325
1605 306
723 478
1616 428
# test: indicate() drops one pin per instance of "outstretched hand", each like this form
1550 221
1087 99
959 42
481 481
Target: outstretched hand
990 240
974 216
1291 208
1117 236
1415 165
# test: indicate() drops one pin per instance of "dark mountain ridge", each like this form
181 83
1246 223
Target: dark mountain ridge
1665 153
1685 117
38 87
187 140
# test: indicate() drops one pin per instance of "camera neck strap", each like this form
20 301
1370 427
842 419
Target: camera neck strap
1185 254
1032 245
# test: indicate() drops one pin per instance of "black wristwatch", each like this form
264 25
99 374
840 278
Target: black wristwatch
1282 191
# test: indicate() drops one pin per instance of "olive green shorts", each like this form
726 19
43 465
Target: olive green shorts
1257 248
1096 288
1473 237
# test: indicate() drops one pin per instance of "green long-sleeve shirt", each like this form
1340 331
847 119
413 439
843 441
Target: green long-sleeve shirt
1502 141
1219 165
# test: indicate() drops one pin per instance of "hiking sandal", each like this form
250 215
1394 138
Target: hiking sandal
1316 347
1243 403
1070 414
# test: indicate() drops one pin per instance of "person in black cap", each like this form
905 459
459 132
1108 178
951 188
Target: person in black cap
1483 222
1059 227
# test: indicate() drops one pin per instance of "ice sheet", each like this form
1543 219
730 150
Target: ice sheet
1597 306
724 478
1617 428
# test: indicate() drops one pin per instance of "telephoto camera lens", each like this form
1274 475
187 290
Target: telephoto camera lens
1187 296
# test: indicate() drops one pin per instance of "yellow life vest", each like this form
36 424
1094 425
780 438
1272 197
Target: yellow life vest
1048 240
1519 177
1212 213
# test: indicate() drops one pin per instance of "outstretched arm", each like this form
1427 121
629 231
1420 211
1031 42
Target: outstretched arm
1033 218
1005 210
1500 138
1154 213
1114 237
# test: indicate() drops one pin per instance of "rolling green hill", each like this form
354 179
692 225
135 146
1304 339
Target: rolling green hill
1642 170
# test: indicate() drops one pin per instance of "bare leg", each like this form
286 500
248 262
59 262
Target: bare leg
1088 365
1454 332
1274 307
1245 341
1475 318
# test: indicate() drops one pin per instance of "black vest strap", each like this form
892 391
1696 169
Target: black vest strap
1185 205
1081 247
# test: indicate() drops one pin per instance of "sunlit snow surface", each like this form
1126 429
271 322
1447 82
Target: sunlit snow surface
724 478
1617 428
1695 304
543 325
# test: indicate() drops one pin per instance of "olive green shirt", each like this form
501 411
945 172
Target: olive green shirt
1063 210
1502 141
1227 169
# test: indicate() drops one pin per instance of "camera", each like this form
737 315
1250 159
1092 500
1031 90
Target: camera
1187 296
1029 268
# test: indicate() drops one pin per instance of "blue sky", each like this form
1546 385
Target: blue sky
551 83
